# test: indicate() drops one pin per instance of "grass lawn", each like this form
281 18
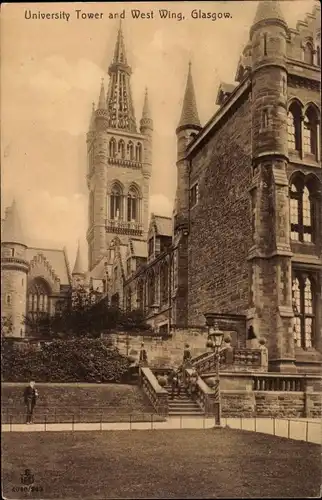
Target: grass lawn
161 464
83 402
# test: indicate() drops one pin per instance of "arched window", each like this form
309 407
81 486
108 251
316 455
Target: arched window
318 55
112 148
151 289
164 283
308 53
91 207
116 203
302 210
121 148
132 205
129 300
38 297
130 150
304 310
138 152
310 131
294 127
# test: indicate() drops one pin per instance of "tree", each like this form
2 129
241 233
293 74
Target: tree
86 314
6 326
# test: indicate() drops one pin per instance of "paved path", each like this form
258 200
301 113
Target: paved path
301 429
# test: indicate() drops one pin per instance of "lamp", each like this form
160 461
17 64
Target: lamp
215 339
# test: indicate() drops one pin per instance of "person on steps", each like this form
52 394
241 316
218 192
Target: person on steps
193 383
174 385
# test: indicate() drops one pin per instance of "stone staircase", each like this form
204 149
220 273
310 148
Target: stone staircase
182 405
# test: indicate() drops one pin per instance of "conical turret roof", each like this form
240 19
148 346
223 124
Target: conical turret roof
92 120
102 98
79 267
146 113
189 114
146 120
12 228
268 9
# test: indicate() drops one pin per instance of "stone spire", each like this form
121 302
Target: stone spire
101 99
269 10
119 96
79 267
189 115
119 51
92 120
146 120
12 230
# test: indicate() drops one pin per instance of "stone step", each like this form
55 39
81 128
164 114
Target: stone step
188 413
188 404
183 403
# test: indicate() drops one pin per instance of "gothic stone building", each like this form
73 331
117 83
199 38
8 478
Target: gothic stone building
33 280
247 217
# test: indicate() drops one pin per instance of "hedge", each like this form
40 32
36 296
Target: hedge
75 360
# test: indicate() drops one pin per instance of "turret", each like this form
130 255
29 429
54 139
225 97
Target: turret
270 256
14 270
188 127
268 36
146 128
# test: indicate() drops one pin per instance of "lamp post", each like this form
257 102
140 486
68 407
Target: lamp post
215 338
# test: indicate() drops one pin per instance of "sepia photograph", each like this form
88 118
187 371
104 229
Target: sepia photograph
161 249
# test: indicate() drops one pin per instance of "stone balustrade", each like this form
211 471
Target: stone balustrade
205 395
279 383
271 394
157 396
239 360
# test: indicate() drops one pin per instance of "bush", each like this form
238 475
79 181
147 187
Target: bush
75 360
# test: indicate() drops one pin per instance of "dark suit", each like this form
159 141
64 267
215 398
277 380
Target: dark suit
30 397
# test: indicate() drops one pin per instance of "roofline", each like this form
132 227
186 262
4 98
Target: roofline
47 249
8 242
234 96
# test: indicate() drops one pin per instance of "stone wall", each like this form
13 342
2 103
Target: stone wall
238 399
271 404
220 224
164 352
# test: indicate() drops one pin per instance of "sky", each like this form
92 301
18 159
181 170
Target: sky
51 72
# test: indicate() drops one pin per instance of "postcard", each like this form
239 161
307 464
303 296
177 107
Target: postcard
161 250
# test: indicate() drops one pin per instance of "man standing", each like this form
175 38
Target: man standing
193 383
143 355
30 396
186 355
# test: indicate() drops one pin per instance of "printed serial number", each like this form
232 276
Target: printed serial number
36 489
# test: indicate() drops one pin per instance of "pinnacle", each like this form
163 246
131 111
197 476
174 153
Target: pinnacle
146 113
12 229
101 100
92 120
189 114
79 267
